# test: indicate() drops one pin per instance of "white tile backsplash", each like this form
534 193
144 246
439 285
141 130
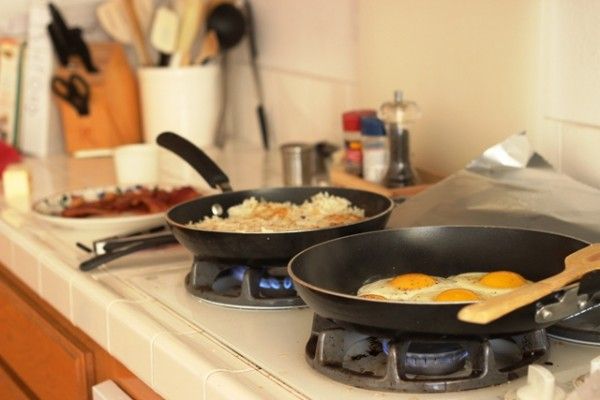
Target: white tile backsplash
572 36
310 37
307 61
581 153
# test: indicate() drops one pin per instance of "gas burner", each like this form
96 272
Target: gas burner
242 286
417 363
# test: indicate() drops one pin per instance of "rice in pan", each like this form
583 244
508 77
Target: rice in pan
320 211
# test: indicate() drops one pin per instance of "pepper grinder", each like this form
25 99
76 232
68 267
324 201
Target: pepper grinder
397 115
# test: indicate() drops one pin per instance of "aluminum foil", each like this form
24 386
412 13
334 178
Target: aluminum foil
509 185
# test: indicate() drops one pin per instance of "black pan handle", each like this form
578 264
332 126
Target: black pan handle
141 245
196 158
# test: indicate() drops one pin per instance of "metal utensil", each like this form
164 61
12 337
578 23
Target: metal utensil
75 90
260 110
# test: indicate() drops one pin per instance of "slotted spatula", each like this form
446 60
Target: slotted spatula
576 265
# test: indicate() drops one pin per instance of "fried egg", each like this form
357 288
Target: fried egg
466 287
489 284
411 286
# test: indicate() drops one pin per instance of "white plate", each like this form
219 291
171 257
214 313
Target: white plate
48 209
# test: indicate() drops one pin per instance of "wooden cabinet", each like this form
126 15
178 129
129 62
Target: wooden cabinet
43 355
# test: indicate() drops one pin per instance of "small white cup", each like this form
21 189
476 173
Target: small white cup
136 164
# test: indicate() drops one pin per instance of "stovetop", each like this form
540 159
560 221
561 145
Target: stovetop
275 341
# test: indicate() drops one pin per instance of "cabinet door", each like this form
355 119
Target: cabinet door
11 386
51 362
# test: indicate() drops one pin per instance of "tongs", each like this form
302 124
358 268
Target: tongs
111 248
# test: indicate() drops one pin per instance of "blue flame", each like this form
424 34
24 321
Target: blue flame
270 282
385 345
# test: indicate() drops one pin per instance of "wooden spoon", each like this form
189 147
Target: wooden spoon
576 265
210 48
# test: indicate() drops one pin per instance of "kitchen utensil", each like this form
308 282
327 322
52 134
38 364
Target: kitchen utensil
209 49
576 265
114 21
144 9
165 33
327 277
75 90
141 243
137 35
257 246
191 18
229 23
260 111
68 42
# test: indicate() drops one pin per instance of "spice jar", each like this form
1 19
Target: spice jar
397 116
353 157
375 152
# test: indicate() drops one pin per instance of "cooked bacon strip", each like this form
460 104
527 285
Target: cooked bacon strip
142 201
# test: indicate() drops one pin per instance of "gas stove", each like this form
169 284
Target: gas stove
415 363
281 342
261 286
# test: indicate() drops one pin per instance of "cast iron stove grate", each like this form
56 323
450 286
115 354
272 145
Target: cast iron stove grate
242 286
418 364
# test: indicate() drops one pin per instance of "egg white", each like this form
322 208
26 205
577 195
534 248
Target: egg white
383 288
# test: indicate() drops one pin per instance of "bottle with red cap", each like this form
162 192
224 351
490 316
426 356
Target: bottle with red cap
353 156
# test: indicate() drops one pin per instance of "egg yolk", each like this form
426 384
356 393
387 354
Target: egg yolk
456 295
502 279
412 281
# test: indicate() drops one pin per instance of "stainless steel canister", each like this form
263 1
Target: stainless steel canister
298 163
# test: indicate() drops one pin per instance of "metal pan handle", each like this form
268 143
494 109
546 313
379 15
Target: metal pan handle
196 158
575 299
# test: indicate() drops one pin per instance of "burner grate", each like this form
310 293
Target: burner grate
407 363
242 286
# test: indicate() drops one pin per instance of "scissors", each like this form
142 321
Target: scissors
74 90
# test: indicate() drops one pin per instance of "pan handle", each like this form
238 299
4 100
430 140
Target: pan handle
196 158
571 301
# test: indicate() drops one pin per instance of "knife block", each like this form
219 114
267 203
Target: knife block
114 111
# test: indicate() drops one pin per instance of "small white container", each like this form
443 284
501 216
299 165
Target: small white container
136 164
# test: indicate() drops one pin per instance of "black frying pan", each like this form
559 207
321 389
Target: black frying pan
254 247
328 275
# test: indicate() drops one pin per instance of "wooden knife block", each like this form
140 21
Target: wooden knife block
114 111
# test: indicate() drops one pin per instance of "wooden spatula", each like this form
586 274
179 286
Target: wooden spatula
114 21
576 265
210 48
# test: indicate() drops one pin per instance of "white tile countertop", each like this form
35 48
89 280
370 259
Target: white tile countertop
170 354
137 307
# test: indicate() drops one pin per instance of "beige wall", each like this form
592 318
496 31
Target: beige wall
470 64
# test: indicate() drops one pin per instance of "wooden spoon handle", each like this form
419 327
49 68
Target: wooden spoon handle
578 264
